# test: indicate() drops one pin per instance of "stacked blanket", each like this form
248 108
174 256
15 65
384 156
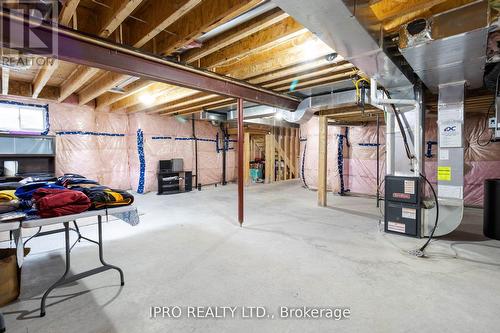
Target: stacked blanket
69 194
8 201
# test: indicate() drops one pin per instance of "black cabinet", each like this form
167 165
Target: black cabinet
175 182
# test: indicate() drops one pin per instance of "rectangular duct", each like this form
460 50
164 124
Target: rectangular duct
451 48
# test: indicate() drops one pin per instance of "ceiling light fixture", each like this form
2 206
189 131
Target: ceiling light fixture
147 99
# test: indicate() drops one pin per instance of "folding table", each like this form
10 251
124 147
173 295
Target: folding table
65 220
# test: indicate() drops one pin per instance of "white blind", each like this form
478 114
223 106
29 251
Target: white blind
22 118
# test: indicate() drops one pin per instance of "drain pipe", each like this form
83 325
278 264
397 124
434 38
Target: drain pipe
416 162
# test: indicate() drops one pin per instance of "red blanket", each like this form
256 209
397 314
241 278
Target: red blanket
55 202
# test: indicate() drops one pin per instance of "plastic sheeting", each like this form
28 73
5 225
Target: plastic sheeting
88 143
482 160
167 138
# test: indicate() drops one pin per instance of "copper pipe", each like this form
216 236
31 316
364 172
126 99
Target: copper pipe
241 167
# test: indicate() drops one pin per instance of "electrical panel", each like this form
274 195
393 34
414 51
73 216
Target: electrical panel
402 205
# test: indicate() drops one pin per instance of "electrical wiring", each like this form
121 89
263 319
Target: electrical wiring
485 128
420 251
356 84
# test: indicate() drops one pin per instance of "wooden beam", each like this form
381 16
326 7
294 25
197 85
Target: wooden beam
308 74
79 76
180 102
197 107
5 80
43 76
133 88
292 69
161 15
317 81
233 35
167 99
155 90
158 15
322 161
204 17
111 18
269 158
100 87
67 12
266 38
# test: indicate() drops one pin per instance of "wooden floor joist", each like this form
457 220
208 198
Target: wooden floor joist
234 35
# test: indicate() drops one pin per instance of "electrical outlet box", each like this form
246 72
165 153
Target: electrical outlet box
492 122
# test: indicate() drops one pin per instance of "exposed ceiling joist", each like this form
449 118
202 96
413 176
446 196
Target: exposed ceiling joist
133 88
237 33
78 78
43 76
179 102
261 40
102 85
67 12
290 53
308 74
202 18
110 19
175 15
158 15
165 98
197 107
293 69
154 90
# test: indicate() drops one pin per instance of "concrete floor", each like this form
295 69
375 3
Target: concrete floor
188 251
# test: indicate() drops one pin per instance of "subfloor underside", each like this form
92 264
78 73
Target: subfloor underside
189 251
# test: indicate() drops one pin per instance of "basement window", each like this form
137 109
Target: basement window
23 118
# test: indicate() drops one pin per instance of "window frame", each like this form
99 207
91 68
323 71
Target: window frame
18 106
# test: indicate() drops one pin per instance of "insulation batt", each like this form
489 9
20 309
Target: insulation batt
112 158
481 162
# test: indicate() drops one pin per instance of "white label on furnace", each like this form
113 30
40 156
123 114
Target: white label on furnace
409 213
444 154
450 191
409 187
397 227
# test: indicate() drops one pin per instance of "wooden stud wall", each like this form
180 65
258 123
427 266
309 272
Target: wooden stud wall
282 146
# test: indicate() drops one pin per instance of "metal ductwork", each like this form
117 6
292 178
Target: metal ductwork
309 106
448 47
335 24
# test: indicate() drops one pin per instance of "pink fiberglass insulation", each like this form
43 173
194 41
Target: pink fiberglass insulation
309 161
90 143
103 145
167 138
482 160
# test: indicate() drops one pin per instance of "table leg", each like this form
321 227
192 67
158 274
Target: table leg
101 256
62 279
65 279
